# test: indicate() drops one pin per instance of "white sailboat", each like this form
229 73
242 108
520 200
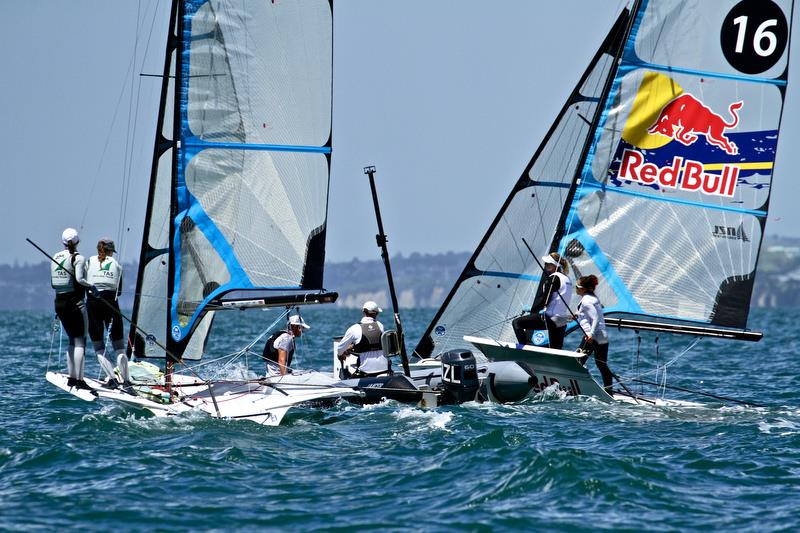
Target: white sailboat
655 177
237 202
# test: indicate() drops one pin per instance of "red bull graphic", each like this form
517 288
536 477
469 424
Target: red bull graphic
686 117
682 174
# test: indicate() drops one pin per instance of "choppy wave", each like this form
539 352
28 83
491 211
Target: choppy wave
548 462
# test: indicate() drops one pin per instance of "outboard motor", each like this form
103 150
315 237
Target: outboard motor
459 377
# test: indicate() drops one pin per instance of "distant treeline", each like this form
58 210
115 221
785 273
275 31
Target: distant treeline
421 280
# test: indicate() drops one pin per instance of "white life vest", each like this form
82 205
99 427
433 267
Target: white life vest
106 276
62 271
556 308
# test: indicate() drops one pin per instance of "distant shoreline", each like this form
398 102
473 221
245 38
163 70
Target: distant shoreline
422 280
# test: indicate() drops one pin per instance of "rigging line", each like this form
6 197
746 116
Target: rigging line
245 350
105 149
53 330
700 393
127 176
130 130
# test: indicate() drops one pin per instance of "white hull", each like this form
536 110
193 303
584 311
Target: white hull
549 366
264 401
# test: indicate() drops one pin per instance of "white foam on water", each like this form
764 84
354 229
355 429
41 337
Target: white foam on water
431 419
781 426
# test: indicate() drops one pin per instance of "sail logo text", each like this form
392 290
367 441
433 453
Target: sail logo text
731 232
682 174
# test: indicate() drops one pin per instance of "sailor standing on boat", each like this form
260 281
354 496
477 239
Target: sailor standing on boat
549 310
593 324
363 340
279 349
68 278
105 273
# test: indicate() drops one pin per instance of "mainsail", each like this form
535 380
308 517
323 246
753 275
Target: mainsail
668 203
239 189
671 204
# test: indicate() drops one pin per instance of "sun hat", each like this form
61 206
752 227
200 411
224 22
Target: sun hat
70 235
297 320
371 307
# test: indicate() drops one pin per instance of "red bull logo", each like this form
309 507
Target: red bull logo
682 174
685 118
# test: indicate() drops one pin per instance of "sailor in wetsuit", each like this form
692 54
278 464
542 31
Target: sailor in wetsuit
279 349
105 273
68 278
363 340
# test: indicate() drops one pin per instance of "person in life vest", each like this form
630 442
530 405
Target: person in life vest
68 278
363 341
549 310
279 349
593 324
105 273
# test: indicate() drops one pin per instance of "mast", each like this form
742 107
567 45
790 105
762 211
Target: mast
381 239
160 147
173 210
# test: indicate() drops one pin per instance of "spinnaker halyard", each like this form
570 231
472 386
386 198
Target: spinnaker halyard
660 186
238 194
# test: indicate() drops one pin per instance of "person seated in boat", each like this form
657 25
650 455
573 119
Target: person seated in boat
68 278
549 310
105 273
279 349
363 342
593 324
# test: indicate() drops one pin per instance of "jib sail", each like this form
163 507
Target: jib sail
501 277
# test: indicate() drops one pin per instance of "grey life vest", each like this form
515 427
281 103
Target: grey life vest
370 339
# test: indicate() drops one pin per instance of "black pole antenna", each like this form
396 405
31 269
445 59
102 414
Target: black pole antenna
381 239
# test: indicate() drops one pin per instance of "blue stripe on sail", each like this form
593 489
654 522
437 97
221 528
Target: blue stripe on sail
238 277
593 184
199 144
554 184
591 247
512 275
631 65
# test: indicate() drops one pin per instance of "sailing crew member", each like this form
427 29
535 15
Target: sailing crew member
68 278
593 324
105 273
363 340
279 349
549 310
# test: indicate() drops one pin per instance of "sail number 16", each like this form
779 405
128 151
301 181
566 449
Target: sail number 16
754 36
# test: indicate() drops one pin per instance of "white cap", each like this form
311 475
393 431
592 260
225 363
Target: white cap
371 307
70 235
547 260
297 320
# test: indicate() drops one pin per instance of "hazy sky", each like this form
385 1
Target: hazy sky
448 99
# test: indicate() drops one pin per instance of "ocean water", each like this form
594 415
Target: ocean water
545 463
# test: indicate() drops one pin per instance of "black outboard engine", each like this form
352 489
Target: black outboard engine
459 377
